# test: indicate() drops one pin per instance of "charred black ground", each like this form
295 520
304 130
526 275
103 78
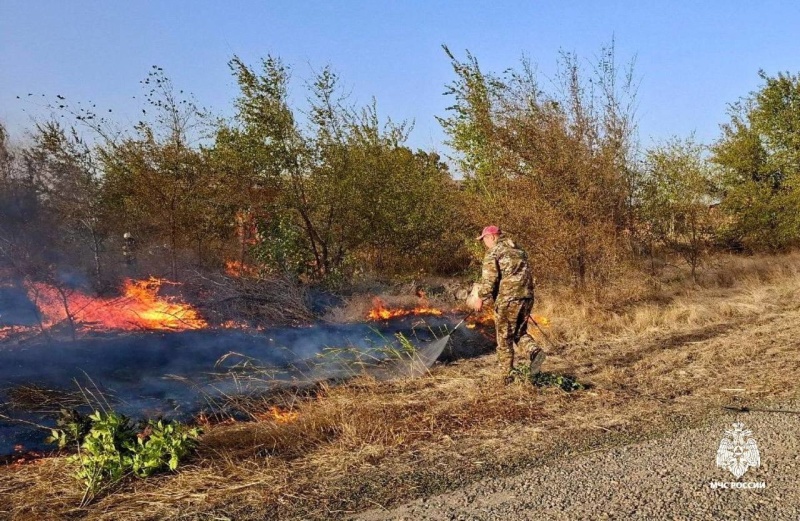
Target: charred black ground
180 374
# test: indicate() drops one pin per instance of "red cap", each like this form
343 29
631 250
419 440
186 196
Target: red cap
489 230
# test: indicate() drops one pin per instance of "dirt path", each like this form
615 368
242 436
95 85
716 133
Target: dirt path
668 478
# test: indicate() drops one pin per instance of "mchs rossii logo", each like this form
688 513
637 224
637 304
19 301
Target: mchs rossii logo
738 451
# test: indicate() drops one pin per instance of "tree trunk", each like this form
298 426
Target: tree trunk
96 252
694 249
173 245
70 319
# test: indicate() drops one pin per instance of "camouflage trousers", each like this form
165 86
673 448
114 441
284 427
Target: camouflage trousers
511 321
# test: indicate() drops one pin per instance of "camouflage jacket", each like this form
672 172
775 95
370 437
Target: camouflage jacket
506 274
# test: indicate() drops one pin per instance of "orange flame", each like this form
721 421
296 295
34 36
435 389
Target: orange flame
239 269
233 324
379 311
26 457
542 320
485 318
278 415
139 307
8 331
154 312
204 420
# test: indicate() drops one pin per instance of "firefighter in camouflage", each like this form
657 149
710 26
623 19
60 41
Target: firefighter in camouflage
507 279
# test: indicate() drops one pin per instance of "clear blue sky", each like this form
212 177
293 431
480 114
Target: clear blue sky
693 58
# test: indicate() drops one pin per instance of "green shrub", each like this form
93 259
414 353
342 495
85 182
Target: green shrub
164 447
522 373
72 428
566 383
111 447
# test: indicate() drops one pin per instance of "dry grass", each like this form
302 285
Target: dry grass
655 356
37 398
732 287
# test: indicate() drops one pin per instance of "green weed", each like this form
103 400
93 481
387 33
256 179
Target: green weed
111 447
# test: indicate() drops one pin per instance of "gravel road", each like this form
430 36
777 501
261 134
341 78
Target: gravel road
666 478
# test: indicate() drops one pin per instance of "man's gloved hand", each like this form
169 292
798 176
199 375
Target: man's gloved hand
474 302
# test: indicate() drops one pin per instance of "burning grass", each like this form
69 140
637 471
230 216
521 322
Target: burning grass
387 305
652 364
379 310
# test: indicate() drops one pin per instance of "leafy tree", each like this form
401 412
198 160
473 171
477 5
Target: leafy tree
156 181
69 180
471 124
553 168
21 212
256 154
352 191
759 152
677 195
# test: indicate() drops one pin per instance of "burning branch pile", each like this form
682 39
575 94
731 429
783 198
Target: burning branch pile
141 299
251 301
140 307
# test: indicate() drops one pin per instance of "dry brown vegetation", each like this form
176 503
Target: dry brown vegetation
658 354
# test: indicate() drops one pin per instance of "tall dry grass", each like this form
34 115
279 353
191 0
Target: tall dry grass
730 287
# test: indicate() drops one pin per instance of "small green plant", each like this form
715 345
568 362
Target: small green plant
105 454
110 447
406 348
566 383
72 428
162 445
381 350
522 373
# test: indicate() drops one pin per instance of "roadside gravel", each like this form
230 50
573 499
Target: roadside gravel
666 478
